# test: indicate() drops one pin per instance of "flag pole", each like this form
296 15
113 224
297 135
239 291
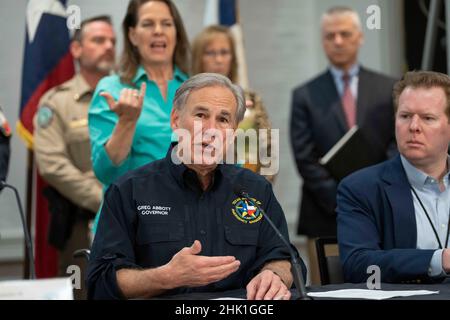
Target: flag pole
29 209
37 78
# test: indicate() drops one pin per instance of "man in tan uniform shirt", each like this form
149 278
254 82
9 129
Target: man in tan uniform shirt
62 147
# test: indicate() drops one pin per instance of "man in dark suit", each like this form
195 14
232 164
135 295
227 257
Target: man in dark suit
324 109
396 215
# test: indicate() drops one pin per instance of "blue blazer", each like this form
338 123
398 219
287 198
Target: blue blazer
376 225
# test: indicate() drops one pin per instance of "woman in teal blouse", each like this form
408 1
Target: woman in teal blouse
130 127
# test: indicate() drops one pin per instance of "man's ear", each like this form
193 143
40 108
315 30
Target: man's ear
361 39
76 49
174 119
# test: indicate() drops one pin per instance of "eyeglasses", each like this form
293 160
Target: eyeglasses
213 54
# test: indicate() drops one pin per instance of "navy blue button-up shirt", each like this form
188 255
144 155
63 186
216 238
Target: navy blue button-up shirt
152 212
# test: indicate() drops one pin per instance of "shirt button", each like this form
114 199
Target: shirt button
202 232
443 226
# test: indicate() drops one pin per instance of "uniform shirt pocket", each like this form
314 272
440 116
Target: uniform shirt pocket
158 242
79 148
241 236
242 243
154 232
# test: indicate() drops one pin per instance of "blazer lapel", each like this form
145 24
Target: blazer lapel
399 195
364 93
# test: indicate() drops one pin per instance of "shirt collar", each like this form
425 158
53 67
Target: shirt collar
177 74
185 176
338 73
140 72
81 87
417 178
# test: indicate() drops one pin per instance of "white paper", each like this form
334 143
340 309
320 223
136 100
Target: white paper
45 289
369 294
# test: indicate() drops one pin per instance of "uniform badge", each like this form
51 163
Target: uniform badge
246 210
45 117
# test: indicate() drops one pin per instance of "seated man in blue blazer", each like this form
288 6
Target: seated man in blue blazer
395 215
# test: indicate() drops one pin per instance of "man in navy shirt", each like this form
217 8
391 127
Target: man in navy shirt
177 225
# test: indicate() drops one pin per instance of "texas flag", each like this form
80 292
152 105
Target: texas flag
250 209
47 62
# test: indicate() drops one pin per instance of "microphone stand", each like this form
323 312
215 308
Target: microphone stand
296 266
28 241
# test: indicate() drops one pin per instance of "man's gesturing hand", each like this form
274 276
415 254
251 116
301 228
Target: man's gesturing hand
129 105
187 268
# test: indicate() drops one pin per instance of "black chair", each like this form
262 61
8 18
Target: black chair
330 267
82 253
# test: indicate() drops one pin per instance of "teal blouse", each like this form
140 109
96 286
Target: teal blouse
153 133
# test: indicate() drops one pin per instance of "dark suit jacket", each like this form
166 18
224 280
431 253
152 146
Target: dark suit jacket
318 122
377 225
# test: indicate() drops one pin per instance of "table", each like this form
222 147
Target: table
443 288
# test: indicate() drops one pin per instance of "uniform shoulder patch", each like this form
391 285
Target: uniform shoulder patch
45 116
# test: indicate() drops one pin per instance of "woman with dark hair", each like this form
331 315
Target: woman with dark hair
214 51
129 116
129 128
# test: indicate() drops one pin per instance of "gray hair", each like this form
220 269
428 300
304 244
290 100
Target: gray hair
340 11
204 80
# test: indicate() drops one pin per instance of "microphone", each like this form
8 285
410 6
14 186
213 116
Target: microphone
296 266
28 242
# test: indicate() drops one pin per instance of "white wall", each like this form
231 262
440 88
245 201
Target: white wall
283 49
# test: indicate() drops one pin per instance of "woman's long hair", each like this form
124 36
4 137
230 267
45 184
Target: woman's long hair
131 59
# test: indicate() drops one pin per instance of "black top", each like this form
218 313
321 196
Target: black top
4 156
151 213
